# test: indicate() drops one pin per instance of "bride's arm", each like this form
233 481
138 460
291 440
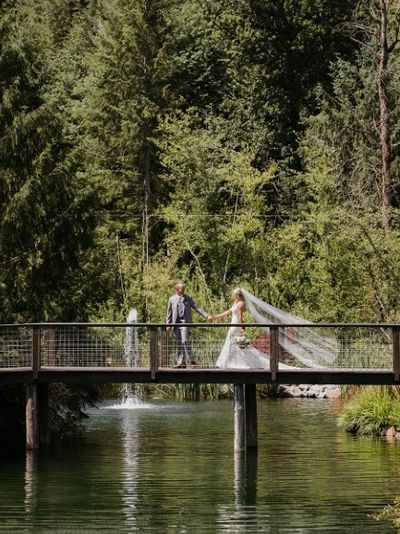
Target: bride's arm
221 315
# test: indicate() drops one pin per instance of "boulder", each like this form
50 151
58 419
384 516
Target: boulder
391 432
332 393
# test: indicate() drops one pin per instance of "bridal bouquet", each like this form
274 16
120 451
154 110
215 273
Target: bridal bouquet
241 341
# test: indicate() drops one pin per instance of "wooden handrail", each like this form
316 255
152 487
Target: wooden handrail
200 325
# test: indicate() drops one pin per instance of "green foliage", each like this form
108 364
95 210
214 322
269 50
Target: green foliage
68 405
391 513
46 222
370 410
67 413
223 142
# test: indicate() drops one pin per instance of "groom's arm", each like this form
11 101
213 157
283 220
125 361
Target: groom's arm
197 308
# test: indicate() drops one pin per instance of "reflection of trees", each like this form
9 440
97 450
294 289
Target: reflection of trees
173 470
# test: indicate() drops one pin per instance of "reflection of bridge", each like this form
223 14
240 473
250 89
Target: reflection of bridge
44 353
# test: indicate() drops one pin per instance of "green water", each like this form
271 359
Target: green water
170 468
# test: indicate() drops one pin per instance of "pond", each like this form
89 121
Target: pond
169 467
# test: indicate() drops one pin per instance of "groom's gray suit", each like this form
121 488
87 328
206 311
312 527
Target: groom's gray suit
180 311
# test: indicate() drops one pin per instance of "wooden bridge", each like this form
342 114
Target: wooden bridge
38 354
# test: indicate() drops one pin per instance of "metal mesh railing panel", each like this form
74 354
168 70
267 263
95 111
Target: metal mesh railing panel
354 347
15 347
70 346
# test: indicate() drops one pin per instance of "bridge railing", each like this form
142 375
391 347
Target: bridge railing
150 346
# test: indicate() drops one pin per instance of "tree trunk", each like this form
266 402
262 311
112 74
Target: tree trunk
384 128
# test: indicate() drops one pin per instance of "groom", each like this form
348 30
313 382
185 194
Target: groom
180 311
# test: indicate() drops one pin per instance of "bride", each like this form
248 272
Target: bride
306 345
237 352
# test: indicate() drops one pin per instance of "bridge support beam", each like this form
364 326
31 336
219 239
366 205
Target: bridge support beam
251 416
245 417
31 416
37 415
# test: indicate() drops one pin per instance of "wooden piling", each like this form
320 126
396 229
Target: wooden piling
31 416
250 392
239 418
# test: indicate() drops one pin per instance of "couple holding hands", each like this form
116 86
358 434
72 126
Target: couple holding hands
236 351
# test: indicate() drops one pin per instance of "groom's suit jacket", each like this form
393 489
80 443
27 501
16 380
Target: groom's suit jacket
189 304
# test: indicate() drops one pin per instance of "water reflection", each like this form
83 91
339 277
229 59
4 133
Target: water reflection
171 469
31 481
245 478
234 517
130 470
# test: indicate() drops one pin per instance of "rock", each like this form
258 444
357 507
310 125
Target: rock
332 393
314 391
391 432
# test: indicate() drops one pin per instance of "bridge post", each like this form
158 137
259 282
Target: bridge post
396 352
250 393
32 401
274 351
153 352
239 418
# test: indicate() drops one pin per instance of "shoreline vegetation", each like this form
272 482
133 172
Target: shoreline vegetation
370 411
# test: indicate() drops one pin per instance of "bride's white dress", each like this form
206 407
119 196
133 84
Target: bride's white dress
310 346
234 357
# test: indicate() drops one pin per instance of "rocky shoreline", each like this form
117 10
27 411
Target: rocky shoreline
312 391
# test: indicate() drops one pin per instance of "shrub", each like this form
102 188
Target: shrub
371 410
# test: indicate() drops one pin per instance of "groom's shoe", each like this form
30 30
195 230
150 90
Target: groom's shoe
180 366
193 362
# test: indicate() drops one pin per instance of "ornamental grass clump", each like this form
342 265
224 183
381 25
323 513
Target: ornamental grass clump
371 410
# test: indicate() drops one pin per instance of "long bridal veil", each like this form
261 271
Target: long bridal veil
306 345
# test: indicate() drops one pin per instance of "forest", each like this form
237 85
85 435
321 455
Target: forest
226 143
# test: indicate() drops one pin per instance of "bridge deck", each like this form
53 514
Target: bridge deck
98 375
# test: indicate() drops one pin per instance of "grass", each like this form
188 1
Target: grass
370 410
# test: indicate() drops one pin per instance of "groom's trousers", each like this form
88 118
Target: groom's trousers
183 345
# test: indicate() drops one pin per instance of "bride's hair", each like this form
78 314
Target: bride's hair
237 292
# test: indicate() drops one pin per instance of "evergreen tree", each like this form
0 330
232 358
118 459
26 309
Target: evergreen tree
120 101
45 224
